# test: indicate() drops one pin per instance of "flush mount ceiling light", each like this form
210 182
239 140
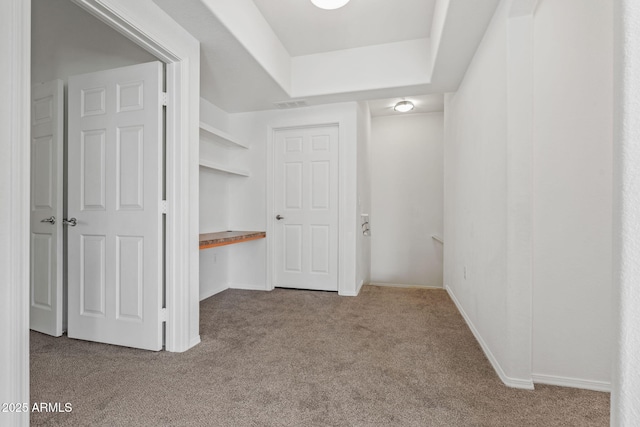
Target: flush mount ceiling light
329 4
403 106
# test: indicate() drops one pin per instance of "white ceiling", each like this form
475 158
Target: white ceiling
433 103
255 53
305 29
229 76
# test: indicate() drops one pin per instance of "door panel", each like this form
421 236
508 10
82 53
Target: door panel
46 290
115 191
306 196
92 276
93 182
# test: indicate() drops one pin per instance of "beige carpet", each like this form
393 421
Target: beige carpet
389 357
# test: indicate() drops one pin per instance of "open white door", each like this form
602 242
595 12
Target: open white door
46 292
114 211
306 205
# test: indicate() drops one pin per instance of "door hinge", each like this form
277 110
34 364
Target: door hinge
163 207
163 315
164 98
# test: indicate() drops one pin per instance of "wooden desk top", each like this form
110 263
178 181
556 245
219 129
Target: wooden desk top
222 238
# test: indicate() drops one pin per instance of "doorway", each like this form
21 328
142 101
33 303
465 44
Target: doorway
112 144
169 43
90 45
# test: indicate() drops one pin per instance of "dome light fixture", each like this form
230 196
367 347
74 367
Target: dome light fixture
403 106
329 4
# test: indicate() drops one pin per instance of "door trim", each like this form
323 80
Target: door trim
170 43
15 218
342 196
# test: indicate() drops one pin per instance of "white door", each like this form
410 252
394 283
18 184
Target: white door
46 292
306 208
114 189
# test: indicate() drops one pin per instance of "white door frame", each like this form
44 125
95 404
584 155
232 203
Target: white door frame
15 164
343 215
160 35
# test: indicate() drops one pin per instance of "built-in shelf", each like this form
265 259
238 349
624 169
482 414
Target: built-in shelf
222 238
221 137
223 168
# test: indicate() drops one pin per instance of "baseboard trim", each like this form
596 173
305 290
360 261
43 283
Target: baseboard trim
572 382
213 292
248 287
402 285
194 341
526 384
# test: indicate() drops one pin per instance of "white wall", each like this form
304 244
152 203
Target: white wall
407 199
475 201
214 271
572 316
214 186
564 215
248 200
214 203
625 398
213 115
66 41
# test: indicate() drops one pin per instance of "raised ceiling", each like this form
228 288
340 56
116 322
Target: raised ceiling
229 76
305 29
255 53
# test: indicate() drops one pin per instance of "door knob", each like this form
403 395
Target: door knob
279 217
70 222
51 219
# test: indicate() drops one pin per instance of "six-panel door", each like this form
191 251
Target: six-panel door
306 199
115 192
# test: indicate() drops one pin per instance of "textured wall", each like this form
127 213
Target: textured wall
542 242
475 198
572 192
625 402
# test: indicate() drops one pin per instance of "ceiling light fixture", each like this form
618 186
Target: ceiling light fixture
403 106
329 4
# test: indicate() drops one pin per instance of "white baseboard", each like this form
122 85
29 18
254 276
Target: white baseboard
248 287
354 293
526 384
212 292
194 341
572 382
401 285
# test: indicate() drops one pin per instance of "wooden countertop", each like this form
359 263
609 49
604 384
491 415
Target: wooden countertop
212 240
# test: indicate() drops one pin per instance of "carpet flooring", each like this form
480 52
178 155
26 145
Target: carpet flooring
389 357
